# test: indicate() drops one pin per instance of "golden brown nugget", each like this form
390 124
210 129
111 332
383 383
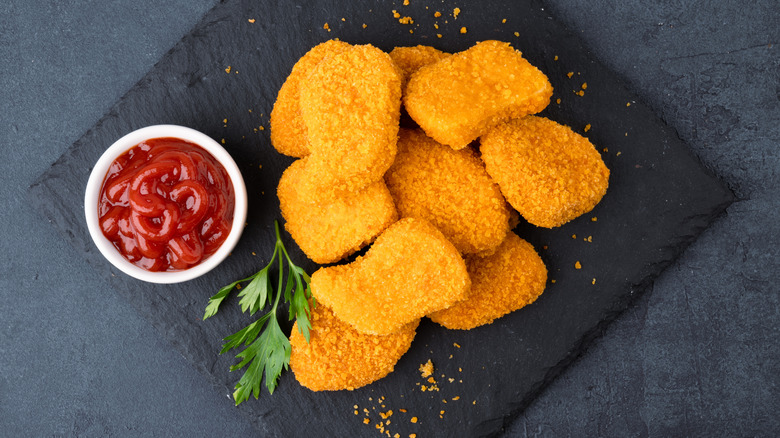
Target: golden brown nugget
546 171
410 59
449 189
288 133
410 270
330 231
339 357
511 278
350 104
461 97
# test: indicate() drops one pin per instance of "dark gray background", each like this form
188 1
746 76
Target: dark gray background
697 355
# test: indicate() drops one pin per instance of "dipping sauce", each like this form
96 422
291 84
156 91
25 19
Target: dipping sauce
166 204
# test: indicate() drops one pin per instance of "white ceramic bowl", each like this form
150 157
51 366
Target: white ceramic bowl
121 146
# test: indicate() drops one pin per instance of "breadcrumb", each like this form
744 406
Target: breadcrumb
338 357
461 97
410 270
577 265
449 189
513 277
426 369
350 104
546 171
329 231
288 132
463 29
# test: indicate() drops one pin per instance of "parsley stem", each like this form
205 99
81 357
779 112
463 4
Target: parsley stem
281 268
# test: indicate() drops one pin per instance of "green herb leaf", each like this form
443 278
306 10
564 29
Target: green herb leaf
255 294
244 336
267 354
299 309
216 300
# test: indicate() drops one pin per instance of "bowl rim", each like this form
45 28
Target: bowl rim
95 184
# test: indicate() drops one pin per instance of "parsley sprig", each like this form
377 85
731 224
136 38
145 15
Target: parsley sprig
267 354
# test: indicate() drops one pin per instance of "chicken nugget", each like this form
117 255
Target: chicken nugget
546 171
511 278
330 231
449 189
410 59
350 104
288 133
461 97
339 357
410 270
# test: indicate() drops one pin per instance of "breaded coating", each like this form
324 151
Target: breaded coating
288 133
410 59
449 189
339 357
350 103
461 97
330 231
513 277
549 173
410 271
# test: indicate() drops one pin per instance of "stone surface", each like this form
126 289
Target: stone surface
698 356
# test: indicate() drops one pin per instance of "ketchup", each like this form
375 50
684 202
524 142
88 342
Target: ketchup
166 204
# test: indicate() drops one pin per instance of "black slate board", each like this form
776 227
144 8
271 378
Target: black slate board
660 199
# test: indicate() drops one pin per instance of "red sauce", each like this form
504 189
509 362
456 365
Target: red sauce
166 204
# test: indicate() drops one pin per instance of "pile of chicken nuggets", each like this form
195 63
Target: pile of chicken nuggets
436 200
